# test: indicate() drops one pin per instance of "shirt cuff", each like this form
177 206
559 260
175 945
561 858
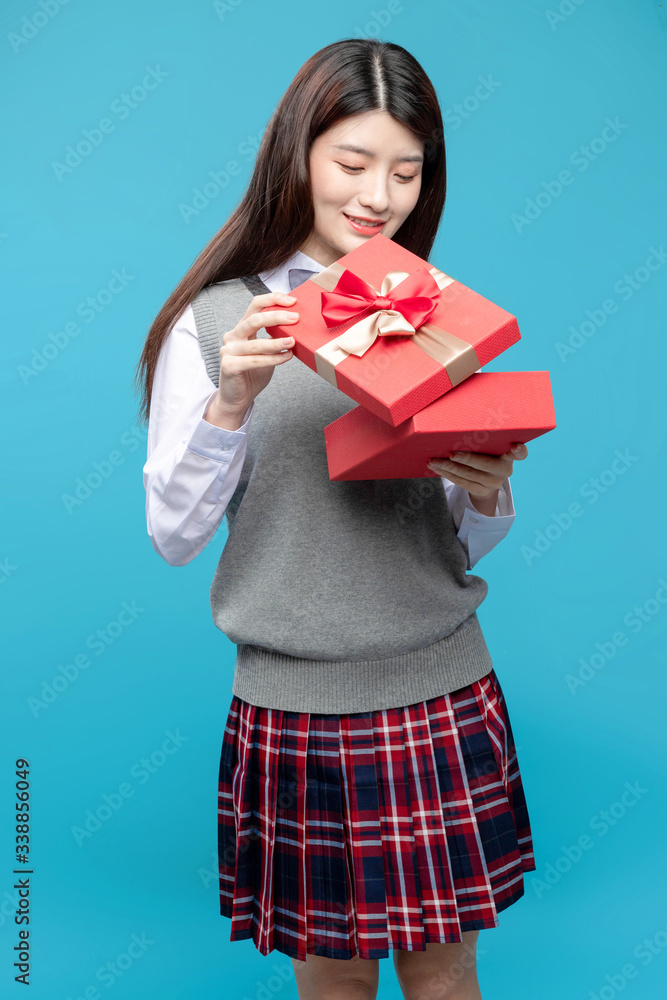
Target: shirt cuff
481 532
214 442
504 505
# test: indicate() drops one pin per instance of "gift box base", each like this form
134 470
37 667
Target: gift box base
487 413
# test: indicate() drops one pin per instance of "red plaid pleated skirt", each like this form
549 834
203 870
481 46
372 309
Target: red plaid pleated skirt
343 835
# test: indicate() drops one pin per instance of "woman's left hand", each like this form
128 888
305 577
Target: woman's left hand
481 475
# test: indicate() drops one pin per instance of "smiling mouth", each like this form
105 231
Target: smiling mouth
365 223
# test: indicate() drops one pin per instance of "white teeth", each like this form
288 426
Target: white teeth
362 223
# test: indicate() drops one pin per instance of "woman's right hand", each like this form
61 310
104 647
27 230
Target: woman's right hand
246 363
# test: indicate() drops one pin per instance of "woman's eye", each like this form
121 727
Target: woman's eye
401 177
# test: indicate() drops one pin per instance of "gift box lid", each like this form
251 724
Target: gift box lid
400 372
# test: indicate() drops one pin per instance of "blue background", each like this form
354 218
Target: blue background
149 868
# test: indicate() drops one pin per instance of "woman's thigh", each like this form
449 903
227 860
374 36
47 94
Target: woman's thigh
441 971
320 978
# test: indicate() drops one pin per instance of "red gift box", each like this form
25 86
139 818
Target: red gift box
409 332
488 413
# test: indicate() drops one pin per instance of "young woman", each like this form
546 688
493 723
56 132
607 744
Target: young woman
370 797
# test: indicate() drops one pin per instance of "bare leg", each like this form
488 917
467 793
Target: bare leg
442 972
320 978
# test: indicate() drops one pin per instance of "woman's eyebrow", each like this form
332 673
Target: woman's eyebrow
415 158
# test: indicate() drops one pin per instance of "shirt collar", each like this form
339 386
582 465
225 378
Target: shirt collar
277 279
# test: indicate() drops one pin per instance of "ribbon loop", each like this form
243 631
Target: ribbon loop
401 305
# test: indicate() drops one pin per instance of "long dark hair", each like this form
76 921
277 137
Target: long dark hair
275 216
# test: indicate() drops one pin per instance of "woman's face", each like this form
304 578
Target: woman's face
367 165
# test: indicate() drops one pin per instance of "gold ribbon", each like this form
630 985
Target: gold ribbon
457 356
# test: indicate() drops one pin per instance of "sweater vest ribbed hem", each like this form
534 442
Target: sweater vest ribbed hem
270 679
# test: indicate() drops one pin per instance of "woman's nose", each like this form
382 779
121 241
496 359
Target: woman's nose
375 194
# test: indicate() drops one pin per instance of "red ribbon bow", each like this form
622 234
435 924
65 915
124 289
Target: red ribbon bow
415 297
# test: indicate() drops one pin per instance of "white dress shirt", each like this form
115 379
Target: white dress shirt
193 467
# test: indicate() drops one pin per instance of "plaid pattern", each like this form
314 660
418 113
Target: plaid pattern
360 833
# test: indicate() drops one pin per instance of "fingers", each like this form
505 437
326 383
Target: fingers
242 355
473 471
243 361
496 465
254 318
519 451
264 346
241 350
490 469
248 326
473 486
269 299
462 475
478 473
474 460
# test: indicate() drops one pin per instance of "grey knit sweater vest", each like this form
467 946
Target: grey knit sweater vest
340 596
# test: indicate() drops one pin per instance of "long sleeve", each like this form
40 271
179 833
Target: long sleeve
479 533
192 466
